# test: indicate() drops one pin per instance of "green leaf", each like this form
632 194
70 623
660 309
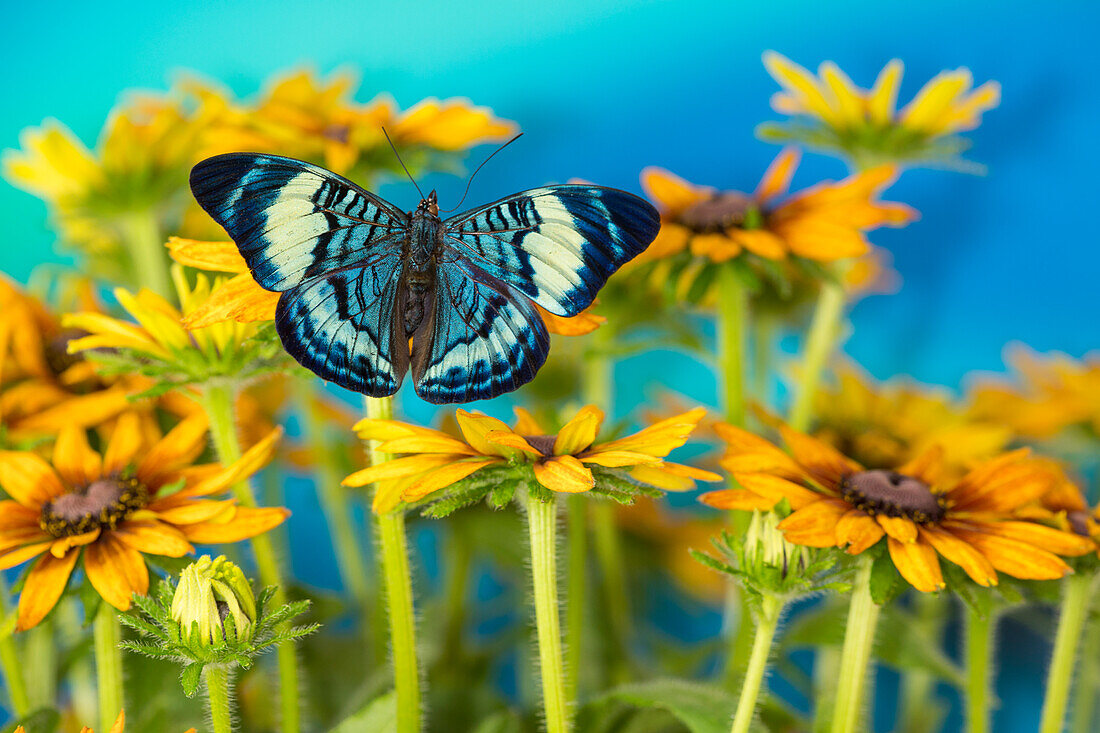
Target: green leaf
190 678
702 708
886 582
900 644
43 720
378 716
502 493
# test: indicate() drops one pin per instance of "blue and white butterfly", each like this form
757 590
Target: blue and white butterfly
359 277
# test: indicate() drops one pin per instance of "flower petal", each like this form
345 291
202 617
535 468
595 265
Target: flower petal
180 446
826 463
858 531
476 427
777 179
28 479
671 193
736 499
249 463
565 474
509 439
44 586
917 563
124 444
444 476
399 468
775 488
1013 557
74 460
968 558
580 432
901 529
153 538
814 525
245 523
19 555
116 571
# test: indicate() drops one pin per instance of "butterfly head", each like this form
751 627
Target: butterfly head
429 205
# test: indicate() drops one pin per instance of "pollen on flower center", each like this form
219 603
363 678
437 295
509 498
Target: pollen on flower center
544 444
102 503
717 213
892 494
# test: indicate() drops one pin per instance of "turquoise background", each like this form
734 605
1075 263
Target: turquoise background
604 88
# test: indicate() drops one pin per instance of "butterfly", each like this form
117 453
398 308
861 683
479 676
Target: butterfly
360 277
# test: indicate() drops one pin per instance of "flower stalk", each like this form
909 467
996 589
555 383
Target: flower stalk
218 400
399 601
979 659
822 336
766 624
1076 600
542 525
577 587
859 637
1088 677
9 662
108 665
142 237
217 697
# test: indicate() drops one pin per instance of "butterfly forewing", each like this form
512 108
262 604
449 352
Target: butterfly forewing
557 245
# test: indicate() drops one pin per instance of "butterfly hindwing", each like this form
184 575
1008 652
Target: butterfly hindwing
483 338
293 220
345 327
557 245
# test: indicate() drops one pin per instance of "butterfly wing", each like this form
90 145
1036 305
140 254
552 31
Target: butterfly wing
557 245
331 248
483 338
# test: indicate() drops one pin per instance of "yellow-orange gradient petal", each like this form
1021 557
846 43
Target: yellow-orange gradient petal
564 474
476 427
823 461
213 256
245 523
153 538
671 193
917 563
74 460
400 468
814 525
1047 538
898 528
961 553
116 571
125 442
580 432
444 476
1018 559
180 446
775 488
28 479
239 299
736 499
777 179
44 586
858 531
671 476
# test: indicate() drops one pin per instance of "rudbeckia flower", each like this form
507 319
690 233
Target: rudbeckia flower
240 299
824 223
922 511
834 114
112 508
885 424
562 462
1046 394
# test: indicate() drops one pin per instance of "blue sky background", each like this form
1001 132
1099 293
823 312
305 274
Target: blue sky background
605 88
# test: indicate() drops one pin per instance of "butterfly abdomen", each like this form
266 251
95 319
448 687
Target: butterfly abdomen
422 248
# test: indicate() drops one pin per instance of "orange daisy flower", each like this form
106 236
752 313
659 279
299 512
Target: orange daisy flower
241 299
135 498
921 511
433 460
825 223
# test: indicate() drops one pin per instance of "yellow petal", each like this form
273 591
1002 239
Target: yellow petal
475 427
28 479
883 98
216 256
917 563
44 586
802 85
116 571
124 444
399 468
74 460
508 439
239 299
671 193
244 524
564 474
777 179
580 432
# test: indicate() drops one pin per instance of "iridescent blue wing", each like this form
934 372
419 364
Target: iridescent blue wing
331 248
558 244
483 338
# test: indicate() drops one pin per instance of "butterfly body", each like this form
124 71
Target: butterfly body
360 277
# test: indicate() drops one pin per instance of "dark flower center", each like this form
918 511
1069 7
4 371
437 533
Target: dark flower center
102 503
718 213
57 350
337 133
892 494
544 444
1079 522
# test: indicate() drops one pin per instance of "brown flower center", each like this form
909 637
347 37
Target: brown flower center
102 503
893 494
337 133
1079 522
56 350
544 444
718 213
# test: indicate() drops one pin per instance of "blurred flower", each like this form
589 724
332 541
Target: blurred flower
159 345
135 498
1046 394
885 424
831 113
920 509
240 299
209 593
118 727
563 462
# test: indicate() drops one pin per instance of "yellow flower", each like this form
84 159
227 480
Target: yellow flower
450 124
240 299
883 425
865 123
433 460
824 223
136 497
118 727
1047 393
917 506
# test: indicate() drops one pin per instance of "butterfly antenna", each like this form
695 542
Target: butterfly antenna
471 179
394 148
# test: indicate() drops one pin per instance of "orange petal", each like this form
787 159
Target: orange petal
19 555
62 545
1038 535
858 531
153 538
180 446
814 525
901 529
760 242
445 476
14 515
565 474
188 511
671 193
526 424
249 463
975 564
917 563
125 442
736 499
928 465
399 468
28 479
245 523
775 488
671 476
116 571
211 256
825 462
580 432
239 299
74 460
578 325
44 586
1015 558
777 179
509 439
618 458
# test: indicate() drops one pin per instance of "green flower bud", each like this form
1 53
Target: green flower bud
209 592
765 546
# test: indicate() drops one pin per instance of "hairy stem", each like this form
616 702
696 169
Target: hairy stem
767 622
979 660
1076 600
143 240
819 345
577 580
542 524
859 637
218 698
106 636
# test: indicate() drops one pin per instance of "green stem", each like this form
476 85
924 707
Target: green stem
142 237
217 695
455 587
577 564
40 665
81 674
916 711
763 342
333 499
219 402
1084 691
609 555
738 616
766 624
859 637
9 662
733 308
979 658
106 636
1076 600
542 521
819 344
399 600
